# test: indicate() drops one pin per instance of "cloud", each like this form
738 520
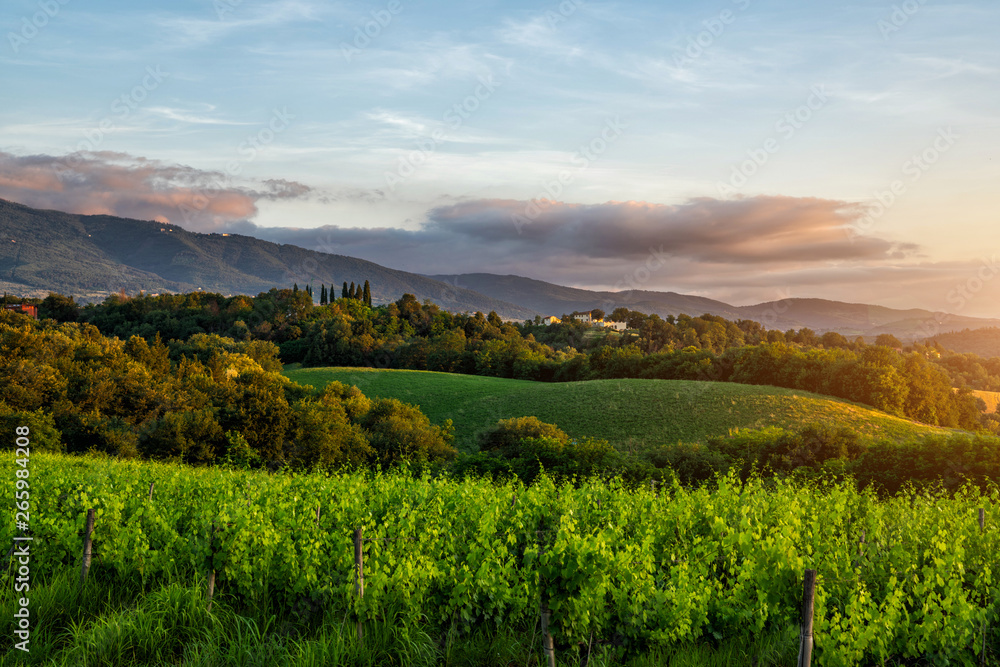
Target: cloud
509 235
134 187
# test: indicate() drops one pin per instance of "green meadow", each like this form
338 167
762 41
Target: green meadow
627 412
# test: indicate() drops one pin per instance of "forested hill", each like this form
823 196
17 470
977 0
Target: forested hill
819 315
86 255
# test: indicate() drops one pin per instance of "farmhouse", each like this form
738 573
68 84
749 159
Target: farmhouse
27 309
588 319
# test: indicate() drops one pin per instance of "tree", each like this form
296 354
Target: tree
322 295
507 435
367 295
344 294
888 340
597 314
59 307
295 288
352 292
399 432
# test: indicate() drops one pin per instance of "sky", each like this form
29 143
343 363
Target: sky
744 150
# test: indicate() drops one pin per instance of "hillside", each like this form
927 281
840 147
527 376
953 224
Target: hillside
551 299
95 255
820 315
984 341
625 412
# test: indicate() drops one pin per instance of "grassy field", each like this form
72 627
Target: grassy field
991 398
625 412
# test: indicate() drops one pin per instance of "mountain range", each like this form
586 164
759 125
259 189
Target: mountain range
91 256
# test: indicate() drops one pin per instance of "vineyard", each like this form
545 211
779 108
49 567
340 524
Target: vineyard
621 571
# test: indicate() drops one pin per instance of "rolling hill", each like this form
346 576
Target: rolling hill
92 256
820 315
628 413
96 255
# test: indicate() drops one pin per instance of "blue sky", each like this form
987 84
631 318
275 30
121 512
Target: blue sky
420 143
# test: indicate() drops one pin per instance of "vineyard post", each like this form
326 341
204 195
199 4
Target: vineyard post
547 647
982 520
806 632
359 575
211 565
861 544
317 515
87 543
151 490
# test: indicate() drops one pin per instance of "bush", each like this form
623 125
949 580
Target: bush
507 435
42 432
400 432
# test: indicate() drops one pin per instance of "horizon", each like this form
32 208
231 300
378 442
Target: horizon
766 150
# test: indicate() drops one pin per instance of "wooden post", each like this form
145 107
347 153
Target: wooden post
513 501
861 544
547 648
151 490
652 486
317 516
359 575
982 520
806 635
86 546
211 565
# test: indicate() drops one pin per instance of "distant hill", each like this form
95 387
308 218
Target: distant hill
92 256
550 299
628 413
95 255
820 315
985 341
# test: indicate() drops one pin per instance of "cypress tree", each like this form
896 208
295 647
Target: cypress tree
353 291
367 295
295 288
322 294
344 294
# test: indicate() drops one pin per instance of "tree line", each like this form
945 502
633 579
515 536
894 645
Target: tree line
916 382
205 399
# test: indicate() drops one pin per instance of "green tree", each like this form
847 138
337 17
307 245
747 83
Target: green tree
367 295
399 432
59 307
